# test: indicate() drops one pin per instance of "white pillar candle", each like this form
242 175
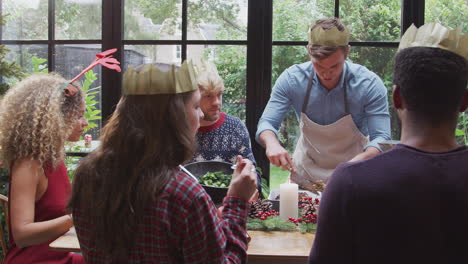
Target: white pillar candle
288 200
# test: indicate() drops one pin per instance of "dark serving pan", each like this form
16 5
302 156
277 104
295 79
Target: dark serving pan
198 169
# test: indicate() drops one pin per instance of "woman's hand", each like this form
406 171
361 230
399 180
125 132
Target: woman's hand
244 180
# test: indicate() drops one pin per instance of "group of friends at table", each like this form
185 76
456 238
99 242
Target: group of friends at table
130 203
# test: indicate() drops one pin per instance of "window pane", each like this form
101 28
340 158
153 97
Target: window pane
451 13
139 54
217 20
30 58
283 58
70 60
380 61
153 20
78 19
370 20
291 18
231 64
25 20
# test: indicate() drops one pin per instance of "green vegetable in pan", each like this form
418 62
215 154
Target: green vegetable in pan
216 179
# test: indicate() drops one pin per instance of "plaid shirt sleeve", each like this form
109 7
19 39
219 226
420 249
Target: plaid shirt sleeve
210 239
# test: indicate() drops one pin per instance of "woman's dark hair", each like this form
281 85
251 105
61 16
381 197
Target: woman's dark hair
432 81
146 138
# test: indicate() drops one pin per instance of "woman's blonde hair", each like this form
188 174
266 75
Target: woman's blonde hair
210 82
36 119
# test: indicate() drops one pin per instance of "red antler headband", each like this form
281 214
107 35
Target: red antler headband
102 58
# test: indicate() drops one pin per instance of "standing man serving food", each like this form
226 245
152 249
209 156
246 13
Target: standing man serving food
342 108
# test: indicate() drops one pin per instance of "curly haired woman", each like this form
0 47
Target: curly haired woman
131 203
37 116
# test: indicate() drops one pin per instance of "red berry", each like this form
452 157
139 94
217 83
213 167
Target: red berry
262 218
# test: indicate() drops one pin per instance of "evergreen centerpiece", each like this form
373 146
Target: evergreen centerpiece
263 217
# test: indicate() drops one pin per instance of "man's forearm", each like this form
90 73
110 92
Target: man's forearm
268 138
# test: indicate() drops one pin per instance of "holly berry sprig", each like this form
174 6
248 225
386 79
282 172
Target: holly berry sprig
263 215
306 219
310 200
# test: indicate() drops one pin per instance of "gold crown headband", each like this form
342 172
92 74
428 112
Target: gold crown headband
151 80
437 36
329 37
202 66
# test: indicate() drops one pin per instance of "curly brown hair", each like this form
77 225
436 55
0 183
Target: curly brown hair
36 119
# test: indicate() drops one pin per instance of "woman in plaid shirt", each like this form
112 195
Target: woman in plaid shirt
130 202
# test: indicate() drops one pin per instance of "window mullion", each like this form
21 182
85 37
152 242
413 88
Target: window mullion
259 52
51 36
184 29
412 11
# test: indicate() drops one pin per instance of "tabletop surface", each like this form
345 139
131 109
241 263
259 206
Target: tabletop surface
280 243
78 148
67 242
265 247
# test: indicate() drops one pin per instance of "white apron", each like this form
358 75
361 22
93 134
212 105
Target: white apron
321 148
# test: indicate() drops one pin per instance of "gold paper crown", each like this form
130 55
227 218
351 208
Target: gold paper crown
329 37
437 36
202 66
151 80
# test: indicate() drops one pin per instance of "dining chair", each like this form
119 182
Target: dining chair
4 204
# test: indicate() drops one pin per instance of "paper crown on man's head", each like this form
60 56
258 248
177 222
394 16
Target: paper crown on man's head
437 36
328 37
151 80
202 66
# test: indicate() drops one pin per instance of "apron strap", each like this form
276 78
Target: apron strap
346 108
309 89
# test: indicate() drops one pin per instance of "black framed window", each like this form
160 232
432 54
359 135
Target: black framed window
172 31
251 41
61 36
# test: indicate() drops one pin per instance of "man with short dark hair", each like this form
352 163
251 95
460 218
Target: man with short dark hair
410 204
339 105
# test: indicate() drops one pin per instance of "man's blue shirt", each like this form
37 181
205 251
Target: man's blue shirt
366 96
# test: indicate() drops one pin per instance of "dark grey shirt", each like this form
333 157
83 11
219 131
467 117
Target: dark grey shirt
403 206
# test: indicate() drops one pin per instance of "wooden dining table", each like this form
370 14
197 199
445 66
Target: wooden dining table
264 248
